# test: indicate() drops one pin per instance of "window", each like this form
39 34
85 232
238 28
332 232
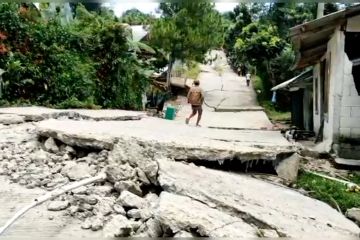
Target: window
352 50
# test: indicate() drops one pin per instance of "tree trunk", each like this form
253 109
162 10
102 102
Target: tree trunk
271 74
168 75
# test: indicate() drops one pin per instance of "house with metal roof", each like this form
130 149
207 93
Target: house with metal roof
139 32
331 44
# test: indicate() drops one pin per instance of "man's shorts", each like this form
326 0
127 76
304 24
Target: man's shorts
197 109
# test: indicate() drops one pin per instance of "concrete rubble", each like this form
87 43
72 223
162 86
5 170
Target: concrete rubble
153 188
58 205
354 214
258 203
8 119
34 113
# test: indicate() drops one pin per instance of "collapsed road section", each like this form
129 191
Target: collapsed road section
150 187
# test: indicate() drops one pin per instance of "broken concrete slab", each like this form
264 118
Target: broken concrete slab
50 145
83 140
119 209
77 171
130 200
347 162
35 113
17 134
116 173
153 228
108 114
171 139
97 223
264 204
30 113
166 132
134 213
288 168
208 222
118 226
36 224
58 205
8 119
354 214
129 185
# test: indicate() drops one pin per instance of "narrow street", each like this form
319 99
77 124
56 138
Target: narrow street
229 103
163 178
75 165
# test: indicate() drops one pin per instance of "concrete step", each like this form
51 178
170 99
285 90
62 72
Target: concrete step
348 162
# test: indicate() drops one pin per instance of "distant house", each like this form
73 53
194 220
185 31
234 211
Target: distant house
139 32
332 45
301 91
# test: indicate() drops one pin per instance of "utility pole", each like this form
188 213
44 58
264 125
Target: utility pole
320 10
320 13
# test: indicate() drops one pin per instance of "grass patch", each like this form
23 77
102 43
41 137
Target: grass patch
189 70
75 103
263 98
18 103
330 191
273 113
193 70
69 103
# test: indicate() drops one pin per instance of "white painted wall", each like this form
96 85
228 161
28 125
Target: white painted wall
353 24
343 118
350 104
335 52
350 112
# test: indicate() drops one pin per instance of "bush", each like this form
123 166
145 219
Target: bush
86 63
274 112
75 103
330 191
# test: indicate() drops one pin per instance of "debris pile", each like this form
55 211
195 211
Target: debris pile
126 199
147 194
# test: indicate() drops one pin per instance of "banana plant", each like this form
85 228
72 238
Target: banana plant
137 46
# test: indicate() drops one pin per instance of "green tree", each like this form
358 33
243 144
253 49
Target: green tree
258 44
331 8
136 17
286 15
88 61
241 17
122 78
187 30
92 6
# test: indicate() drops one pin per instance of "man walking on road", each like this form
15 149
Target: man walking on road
196 99
248 77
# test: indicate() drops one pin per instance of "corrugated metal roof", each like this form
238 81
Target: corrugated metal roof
297 81
311 38
138 32
325 20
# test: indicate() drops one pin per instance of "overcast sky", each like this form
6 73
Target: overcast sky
149 7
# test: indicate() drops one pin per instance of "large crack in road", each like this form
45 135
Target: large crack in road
147 193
